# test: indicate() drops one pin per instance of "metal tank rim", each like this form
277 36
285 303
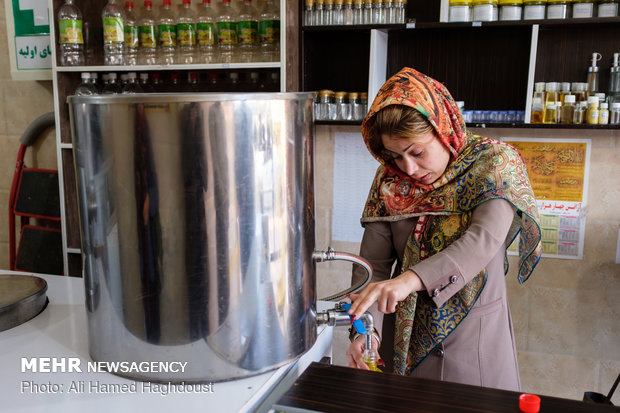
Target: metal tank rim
188 97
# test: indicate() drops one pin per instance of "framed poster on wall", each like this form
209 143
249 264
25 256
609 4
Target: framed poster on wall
28 36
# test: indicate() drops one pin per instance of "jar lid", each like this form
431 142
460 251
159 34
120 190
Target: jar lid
353 95
460 2
536 2
483 2
340 95
324 93
559 1
364 95
510 2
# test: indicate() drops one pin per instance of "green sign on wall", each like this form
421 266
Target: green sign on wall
31 17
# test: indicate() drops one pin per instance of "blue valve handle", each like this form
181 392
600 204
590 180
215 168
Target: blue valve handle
359 326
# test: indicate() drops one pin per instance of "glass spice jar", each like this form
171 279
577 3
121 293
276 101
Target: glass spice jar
534 9
510 10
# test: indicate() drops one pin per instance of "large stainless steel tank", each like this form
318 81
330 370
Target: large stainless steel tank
197 218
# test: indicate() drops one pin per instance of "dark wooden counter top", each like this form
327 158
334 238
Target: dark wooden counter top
328 388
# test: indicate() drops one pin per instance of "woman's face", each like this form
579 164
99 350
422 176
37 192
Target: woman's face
424 158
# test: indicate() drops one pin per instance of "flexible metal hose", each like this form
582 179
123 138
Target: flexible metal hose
331 255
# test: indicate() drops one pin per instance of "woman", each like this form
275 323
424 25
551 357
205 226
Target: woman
444 206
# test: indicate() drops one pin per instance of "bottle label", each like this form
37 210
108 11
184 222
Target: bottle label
608 10
205 34
227 33
186 34
147 37
581 10
70 32
269 31
131 37
247 32
167 35
113 30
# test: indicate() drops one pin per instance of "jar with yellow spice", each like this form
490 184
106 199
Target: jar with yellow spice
460 11
534 9
510 10
484 10
558 9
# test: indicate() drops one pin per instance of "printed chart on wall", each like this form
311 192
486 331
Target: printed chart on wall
558 171
354 170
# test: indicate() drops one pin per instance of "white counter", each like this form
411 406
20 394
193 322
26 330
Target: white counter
60 331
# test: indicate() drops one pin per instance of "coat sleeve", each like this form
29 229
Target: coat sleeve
378 249
446 272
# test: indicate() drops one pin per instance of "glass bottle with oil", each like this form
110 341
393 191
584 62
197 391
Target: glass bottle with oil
552 98
567 112
592 115
371 359
593 75
538 102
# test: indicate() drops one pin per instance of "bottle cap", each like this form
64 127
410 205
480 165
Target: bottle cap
592 99
148 3
539 86
85 75
129 4
600 96
615 105
569 99
552 86
529 403
604 105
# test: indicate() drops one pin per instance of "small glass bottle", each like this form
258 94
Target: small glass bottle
328 13
388 8
348 12
309 13
578 89
568 110
614 118
318 13
338 19
399 12
371 359
322 106
484 10
592 115
378 14
534 9
564 90
367 16
358 12
364 104
583 9
551 113
607 8
510 10
459 11
558 9
537 110
354 102
343 107
579 113
552 97
603 117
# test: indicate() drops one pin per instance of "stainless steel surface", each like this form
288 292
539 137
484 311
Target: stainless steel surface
22 297
197 218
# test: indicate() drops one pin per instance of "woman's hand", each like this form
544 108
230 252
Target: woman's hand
386 293
355 352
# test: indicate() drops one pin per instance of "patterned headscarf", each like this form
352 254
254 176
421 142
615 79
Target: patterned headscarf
480 169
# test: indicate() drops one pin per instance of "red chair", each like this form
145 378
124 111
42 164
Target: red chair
35 196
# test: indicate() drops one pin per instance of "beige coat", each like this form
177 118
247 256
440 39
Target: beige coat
481 351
